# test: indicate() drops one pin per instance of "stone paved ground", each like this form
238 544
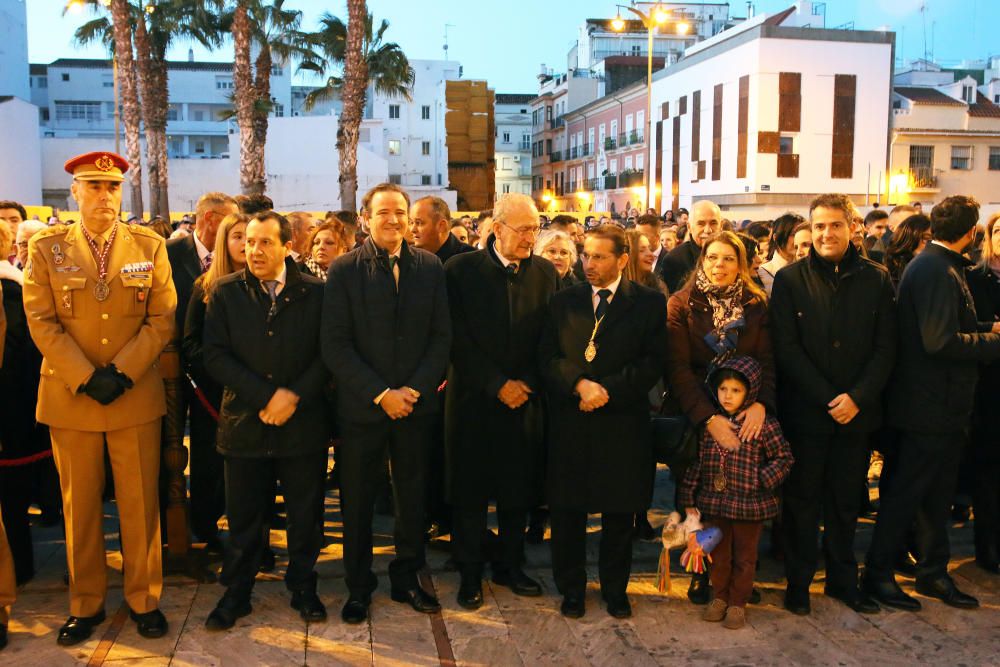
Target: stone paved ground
507 630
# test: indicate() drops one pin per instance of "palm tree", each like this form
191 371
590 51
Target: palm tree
119 43
365 60
275 32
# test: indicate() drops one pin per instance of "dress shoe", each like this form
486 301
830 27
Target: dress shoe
988 564
417 598
470 592
906 565
3 636
518 582
226 613
573 605
308 604
889 594
355 611
854 599
78 628
643 530
151 625
944 589
267 559
797 600
700 590
619 606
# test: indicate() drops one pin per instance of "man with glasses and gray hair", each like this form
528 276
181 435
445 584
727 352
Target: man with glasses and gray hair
498 298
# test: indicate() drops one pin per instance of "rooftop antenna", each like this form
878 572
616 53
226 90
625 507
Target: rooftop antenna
446 26
923 15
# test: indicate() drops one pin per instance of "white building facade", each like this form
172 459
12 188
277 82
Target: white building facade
512 114
14 49
763 117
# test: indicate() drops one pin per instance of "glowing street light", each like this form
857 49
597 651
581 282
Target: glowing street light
618 23
683 28
74 6
661 15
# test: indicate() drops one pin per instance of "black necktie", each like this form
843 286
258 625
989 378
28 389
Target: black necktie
602 303
511 270
272 291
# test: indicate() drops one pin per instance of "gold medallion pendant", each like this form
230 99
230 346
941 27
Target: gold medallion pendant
720 482
591 352
101 290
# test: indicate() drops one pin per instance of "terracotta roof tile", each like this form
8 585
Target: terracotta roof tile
983 108
927 96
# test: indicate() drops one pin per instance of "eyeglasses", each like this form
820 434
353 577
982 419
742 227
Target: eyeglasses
523 231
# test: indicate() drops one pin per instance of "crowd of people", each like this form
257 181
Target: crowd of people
510 360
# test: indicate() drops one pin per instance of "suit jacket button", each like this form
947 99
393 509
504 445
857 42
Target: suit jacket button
104 341
104 316
836 343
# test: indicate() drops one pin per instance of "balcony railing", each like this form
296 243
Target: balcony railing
591 184
923 178
524 146
611 181
610 143
580 151
555 156
556 123
572 186
628 179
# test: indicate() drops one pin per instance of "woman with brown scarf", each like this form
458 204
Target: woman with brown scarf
720 313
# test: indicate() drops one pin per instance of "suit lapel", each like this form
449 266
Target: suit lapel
620 304
191 262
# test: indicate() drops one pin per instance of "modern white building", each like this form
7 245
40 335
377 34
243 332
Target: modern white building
20 168
512 114
764 116
14 49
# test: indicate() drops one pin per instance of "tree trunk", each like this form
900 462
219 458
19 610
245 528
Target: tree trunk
159 115
244 96
262 89
122 24
355 88
143 52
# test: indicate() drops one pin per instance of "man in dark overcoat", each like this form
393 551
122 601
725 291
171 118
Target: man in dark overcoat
603 349
498 298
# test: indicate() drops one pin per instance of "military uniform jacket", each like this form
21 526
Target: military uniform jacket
77 334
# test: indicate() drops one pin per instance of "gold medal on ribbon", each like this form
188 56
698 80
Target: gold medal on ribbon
720 482
591 352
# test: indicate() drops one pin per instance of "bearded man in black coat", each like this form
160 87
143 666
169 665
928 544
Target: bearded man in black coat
603 349
498 298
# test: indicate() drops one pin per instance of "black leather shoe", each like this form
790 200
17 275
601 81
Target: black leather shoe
267 559
308 604
889 594
944 589
226 613
700 590
3 636
470 592
417 598
355 611
854 599
797 600
573 606
78 628
906 565
151 625
518 582
619 606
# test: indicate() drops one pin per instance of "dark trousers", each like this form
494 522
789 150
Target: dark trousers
15 497
569 552
249 497
438 509
208 489
734 560
922 488
360 459
468 531
986 500
824 484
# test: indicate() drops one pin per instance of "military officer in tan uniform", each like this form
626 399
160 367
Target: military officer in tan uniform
100 304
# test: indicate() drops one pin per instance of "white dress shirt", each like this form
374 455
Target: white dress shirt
613 288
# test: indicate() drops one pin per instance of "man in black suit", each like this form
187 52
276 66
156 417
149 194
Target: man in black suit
498 298
386 339
430 222
190 256
931 396
705 222
603 349
262 343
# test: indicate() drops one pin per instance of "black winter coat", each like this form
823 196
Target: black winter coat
678 264
185 267
600 461
193 349
941 344
451 247
376 339
984 285
834 332
253 356
20 434
493 451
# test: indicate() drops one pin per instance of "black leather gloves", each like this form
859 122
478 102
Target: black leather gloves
106 384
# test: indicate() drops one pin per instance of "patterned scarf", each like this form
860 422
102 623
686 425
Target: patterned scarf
314 268
726 302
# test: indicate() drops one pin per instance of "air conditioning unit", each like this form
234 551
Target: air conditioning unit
517 158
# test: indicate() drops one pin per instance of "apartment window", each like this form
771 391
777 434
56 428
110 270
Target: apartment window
43 82
393 111
506 137
628 163
394 147
275 71
961 157
969 94
425 149
996 98
636 50
279 110
90 111
199 147
506 188
994 158
108 84
640 161
199 115
223 84
396 179
425 114
173 113
786 145
65 77
505 164
425 179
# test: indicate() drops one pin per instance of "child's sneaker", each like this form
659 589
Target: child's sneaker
735 618
715 611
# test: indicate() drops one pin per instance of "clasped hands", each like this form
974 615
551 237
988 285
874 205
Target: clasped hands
843 409
751 423
280 408
514 394
106 384
592 395
398 403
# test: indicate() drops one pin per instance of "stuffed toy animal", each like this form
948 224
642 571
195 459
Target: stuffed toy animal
698 540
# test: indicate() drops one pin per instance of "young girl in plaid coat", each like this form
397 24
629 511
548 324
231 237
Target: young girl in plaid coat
736 490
